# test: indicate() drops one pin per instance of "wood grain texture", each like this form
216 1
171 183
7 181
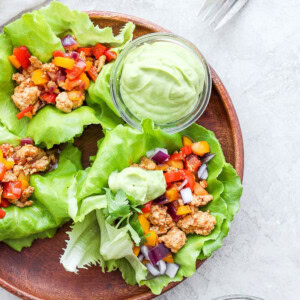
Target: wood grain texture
36 273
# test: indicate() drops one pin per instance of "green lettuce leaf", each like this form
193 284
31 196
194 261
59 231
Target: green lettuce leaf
52 126
7 137
50 208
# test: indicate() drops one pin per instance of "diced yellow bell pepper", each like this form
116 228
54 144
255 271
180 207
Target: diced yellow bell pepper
39 77
14 61
25 184
175 163
199 190
147 215
162 167
144 223
85 79
8 164
75 95
22 176
1 155
151 238
186 141
28 115
183 210
169 258
172 194
200 148
89 64
136 250
64 62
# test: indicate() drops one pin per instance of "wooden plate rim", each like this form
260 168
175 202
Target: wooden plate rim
234 124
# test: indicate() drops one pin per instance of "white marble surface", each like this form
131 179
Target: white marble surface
257 57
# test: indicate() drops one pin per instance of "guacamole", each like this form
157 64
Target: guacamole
142 185
161 81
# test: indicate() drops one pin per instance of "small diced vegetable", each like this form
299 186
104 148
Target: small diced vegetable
199 190
22 176
24 183
64 62
4 203
183 210
85 50
200 148
186 195
22 55
2 171
78 69
69 43
75 95
172 194
186 141
145 251
189 176
39 77
26 141
158 253
152 238
174 176
58 53
85 80
147 207
49 98
162 266
172 212
147 215
110 55
144 223
93 74
178 164
161 200
2 213
207 157
202 172
14 61
186 150
162 167
192 163
98 50
89 64
169 258
172 270
177 156
153 270
136 250
8 164
12 190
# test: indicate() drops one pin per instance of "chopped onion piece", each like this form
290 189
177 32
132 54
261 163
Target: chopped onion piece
207 157
172 212
186 195
26 141
141 257
182 185
158 253
145 251
204 175
162 267
150 153
201 170
68 41
160 155
172 270
161 200
74 55
153 270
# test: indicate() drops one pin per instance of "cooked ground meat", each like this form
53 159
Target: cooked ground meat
201 200
9 176
174 239
27 193
99 63
161 220
64 103
200 223
146 163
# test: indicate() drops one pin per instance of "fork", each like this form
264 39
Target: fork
218 12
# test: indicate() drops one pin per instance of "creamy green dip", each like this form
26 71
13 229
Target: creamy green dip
142 185
161 81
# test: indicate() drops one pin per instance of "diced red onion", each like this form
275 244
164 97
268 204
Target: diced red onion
141 257
182 185
74 55
161 200
201 171
172 212
207 157
68 41
51 89
145 251
153 270
204 175
186 195
160 155
172 270
158 253
26 141
162 267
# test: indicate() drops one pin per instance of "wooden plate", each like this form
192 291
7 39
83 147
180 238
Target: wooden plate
36 273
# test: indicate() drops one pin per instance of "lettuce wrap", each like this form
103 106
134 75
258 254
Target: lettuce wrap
40 31
21 226
120 148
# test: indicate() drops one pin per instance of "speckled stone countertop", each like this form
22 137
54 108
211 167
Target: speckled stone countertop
257 56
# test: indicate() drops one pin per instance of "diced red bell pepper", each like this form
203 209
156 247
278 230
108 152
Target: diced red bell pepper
188 175
12 190
192 163
87 51
98 50
147 207
49 97
4 203
2 213
79 68
174 176
22 54
177 156
22 113
2 171
93 74
58 53
186 150
110 55
71 84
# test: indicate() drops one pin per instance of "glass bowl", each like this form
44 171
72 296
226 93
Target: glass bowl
116 74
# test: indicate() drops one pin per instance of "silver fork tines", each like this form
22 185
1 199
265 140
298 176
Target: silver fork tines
219 12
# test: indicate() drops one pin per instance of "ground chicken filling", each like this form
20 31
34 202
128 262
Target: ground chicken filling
16 166
61 82
174 215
